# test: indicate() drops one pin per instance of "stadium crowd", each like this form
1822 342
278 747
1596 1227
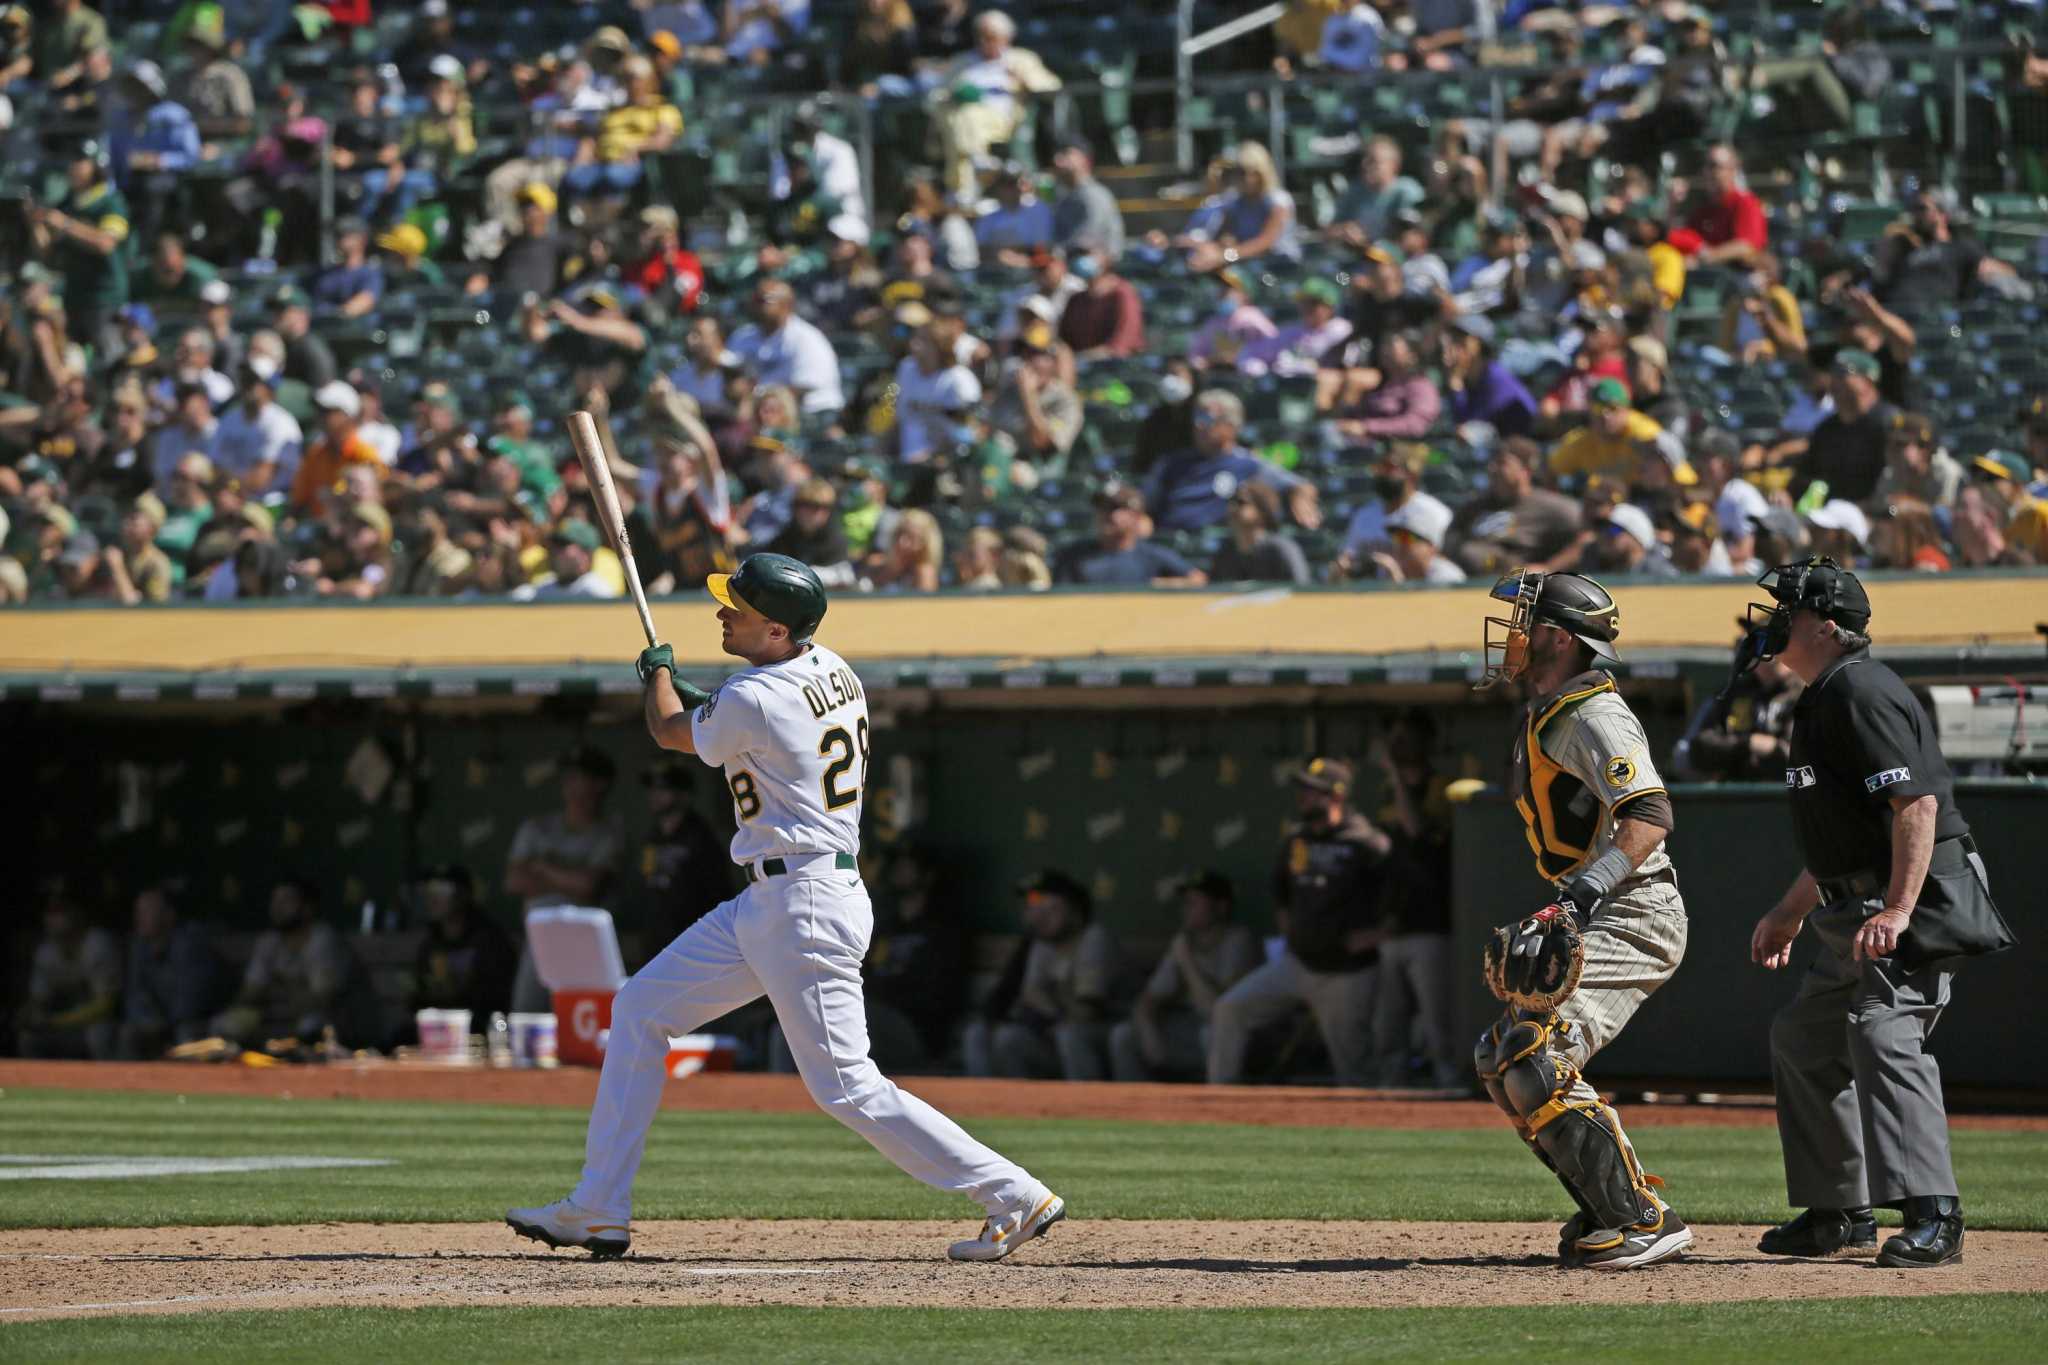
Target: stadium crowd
296 297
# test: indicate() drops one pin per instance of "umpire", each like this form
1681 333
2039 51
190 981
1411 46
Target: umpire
1895 892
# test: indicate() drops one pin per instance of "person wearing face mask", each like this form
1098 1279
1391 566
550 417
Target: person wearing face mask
1897 895
258 442
298 974
1597 815
1170 425
1396 483
1235 322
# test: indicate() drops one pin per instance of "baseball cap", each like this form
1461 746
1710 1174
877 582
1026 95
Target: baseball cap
1210 883
373 515
1040 307
149 76
289 296
1911 426
1651 350
1569 204
667 776
1120 495
1050 881
1610 393
1332 775
446 68
1851 360
2004 464
1839 514
138 315
588 759
79 548
216 292
1426 520
1384 253
848 228
1781 524
1635 522
1475 325
1321 290
351 226
580 533
536 192
407 239
338 396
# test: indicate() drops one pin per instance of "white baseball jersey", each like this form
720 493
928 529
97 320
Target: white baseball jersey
793 741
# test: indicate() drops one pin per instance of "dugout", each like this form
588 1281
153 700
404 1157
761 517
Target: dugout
1124 737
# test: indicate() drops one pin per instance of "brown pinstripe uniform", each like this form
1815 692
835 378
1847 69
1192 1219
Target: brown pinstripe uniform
1580 761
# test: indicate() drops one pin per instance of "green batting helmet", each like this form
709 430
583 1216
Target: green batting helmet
782 589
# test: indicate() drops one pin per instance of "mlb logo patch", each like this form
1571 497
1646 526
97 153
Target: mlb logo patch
1879 781
1799 777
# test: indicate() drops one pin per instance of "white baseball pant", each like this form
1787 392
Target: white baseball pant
798 938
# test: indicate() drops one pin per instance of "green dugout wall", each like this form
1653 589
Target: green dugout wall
1735 855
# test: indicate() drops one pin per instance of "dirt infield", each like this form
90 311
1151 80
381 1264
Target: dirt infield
1079 1265
1264 1106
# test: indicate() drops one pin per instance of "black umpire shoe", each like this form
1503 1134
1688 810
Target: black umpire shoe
1822 1232
1933 1234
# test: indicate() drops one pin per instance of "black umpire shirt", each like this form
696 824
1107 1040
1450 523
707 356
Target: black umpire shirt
1329 883
1859 740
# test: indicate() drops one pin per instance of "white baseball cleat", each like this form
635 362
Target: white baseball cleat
563 1224
1001 1236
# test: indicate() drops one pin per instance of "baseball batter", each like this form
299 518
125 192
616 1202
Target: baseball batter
1597 815
791 734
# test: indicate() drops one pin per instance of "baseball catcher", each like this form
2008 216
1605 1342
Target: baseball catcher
1575 971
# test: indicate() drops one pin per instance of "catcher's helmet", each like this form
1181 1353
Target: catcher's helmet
1572 602
782 589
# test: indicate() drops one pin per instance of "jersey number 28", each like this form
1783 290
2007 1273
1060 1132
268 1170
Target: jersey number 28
837 742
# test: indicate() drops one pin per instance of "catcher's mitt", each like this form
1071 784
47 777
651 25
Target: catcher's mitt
1536 964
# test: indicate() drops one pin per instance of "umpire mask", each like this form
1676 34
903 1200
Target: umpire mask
1816 584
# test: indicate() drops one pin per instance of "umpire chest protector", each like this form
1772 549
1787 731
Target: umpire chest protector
1560 814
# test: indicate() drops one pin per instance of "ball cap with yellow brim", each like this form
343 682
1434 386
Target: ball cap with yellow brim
784 590
1332 775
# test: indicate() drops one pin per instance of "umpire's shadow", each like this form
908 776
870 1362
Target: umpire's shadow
1216 1265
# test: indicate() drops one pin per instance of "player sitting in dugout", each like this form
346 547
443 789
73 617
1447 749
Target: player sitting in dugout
1058 1026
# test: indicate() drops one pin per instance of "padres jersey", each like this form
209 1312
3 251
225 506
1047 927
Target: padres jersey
1580 759
793 741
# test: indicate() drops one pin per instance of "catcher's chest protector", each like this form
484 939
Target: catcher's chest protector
1559 814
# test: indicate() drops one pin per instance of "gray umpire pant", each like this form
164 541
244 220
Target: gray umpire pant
1340 1001
1860 1114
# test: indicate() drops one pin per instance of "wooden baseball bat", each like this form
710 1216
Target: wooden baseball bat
590 450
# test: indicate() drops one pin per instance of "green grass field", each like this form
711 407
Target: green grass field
1867 1331
465 1162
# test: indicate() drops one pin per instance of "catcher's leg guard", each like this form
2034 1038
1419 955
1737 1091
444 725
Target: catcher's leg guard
1486 1060
1581 1139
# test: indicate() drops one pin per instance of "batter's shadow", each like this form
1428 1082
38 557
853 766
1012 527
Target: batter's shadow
1235 1266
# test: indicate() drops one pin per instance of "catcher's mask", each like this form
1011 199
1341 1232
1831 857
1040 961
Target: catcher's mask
1572 602
1816 584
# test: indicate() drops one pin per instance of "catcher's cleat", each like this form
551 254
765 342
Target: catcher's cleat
563 1224
1822 1232
1577 1226
1001 1236
1630 1248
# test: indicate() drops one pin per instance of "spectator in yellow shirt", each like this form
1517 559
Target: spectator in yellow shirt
2007 475
646 123
1609 444
1643 224
1761 319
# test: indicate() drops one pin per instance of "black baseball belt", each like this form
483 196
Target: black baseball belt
1860 886
776 867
